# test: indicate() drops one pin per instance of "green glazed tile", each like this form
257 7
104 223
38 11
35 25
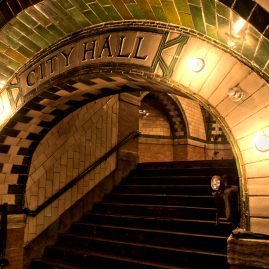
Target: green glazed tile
100 12
22 27
238 47
262 53
3 58
197 17
104 2
9 40
136 11
79 18
91 17
170 12
254 31
249 46
13 65
26 52
145 7
223 10
121 8
223 29
38 16
113 14
16 56
155 2
209 11
3 47
80 4
195 2
182 6
211 31
186 20
68 27
26 19
5 70
159 13
56 31
12 31
25 41
45 33
65 4
129 1
39 40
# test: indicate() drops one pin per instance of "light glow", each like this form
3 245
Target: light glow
2 84
238 26
261 141
196 64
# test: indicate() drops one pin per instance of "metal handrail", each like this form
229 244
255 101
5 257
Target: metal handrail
74 181
3 234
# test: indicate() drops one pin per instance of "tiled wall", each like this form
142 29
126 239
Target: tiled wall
153 123
44 23
74 144
194 117
158 142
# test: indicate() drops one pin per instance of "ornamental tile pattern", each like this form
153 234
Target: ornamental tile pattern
41 23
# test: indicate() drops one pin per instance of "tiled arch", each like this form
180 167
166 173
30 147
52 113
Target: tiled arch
28 27
22 134
175 115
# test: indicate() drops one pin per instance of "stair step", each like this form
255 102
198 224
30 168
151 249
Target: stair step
198 213
109 262
164 189
155 237
196 171
168 180
47 263
162 199
186 164
163 216
138 253
160 223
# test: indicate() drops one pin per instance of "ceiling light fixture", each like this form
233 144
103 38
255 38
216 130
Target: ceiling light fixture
197 64
261 141
235 94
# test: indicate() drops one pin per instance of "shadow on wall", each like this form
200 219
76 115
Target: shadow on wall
171 135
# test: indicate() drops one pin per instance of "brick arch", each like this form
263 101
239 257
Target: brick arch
209 88
175 116
29 27
24 131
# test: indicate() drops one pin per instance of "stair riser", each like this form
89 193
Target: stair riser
192 190
205 171
159 224
152 237
161 200
186 213
168 257
168 181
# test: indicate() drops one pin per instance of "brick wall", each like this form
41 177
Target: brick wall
74 144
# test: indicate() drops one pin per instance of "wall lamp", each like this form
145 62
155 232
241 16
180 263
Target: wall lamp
197 64
235 94
261 141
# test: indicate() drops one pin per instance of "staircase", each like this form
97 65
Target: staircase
162 216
